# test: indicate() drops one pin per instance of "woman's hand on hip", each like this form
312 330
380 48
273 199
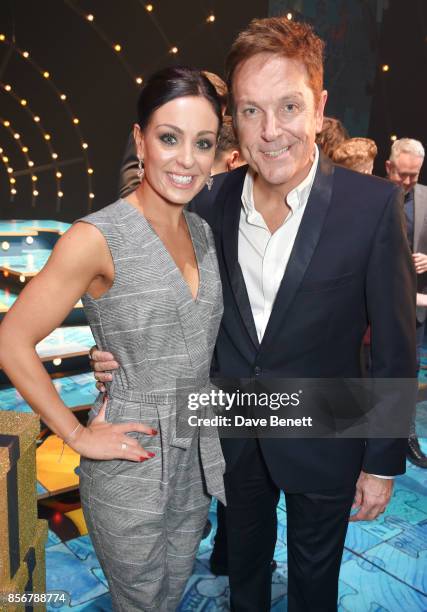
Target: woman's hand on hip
103 440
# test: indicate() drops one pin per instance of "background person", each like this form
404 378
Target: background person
403 168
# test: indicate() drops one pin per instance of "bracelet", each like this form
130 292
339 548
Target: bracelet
66 438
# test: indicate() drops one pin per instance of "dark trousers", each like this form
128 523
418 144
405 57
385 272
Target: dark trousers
316 528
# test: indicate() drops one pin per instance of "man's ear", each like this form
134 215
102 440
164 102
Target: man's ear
388 167
320 110
233 160
139 141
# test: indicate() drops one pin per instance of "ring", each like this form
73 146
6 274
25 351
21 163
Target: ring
124 446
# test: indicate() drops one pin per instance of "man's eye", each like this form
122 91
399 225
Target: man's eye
204 144
249 112
168 139
290 108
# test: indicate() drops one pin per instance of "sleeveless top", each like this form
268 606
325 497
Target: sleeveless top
162 338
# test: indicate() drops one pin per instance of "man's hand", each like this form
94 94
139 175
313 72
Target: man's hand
420 261
372 496
102 364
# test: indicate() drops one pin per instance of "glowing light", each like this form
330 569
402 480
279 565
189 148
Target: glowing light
174 50
2 37
5 159
12 180
54 155
90 17
25 149
5 246
60 194
393 137
91 195
10 170
75 121
385 68
22 278
139 80
5 273
24 102
36 118
29 240
26 54
57 361
58 174
63 97
30 163
211 19
8 87
289 16
35 193
90 170
84 145
117 48
149 8
34 178
6 123
47 136
46 74
16 136
13 191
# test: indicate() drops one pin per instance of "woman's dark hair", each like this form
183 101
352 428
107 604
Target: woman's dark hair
171 83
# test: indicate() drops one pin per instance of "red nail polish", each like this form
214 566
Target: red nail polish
151 455
154 432
143 458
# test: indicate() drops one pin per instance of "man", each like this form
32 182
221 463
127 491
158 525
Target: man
403 168
306 251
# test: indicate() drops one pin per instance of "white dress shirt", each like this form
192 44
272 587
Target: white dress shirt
263 256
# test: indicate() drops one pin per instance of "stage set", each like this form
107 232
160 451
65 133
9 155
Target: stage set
60 156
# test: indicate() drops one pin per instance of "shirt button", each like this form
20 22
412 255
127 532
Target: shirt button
257 370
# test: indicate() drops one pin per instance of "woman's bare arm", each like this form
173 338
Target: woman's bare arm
79 262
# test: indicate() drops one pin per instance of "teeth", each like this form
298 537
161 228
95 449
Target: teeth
182 180
276 153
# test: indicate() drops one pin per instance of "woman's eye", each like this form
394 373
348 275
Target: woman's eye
204 144
168 139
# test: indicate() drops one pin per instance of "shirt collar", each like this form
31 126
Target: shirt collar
296 198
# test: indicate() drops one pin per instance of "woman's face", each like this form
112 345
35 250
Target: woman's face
178 148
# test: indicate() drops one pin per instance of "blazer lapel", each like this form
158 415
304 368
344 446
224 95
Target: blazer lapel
230 242
306 241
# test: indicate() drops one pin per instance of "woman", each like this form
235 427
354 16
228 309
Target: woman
148 274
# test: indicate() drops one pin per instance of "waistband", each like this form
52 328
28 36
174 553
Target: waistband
167 397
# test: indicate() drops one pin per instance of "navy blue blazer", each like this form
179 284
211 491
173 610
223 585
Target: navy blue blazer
350 266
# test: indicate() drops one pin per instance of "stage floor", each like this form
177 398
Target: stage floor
383 568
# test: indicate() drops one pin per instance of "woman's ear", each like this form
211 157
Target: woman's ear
139 141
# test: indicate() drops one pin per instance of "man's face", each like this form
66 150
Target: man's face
404 170
276 118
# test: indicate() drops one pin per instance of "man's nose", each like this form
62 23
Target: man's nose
270 128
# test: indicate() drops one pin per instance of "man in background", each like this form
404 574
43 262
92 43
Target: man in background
403 168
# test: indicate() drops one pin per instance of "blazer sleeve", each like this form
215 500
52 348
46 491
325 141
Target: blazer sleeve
128 180
390 299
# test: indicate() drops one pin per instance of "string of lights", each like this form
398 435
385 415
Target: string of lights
9 170
28 162
62 97
115 46
46 137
